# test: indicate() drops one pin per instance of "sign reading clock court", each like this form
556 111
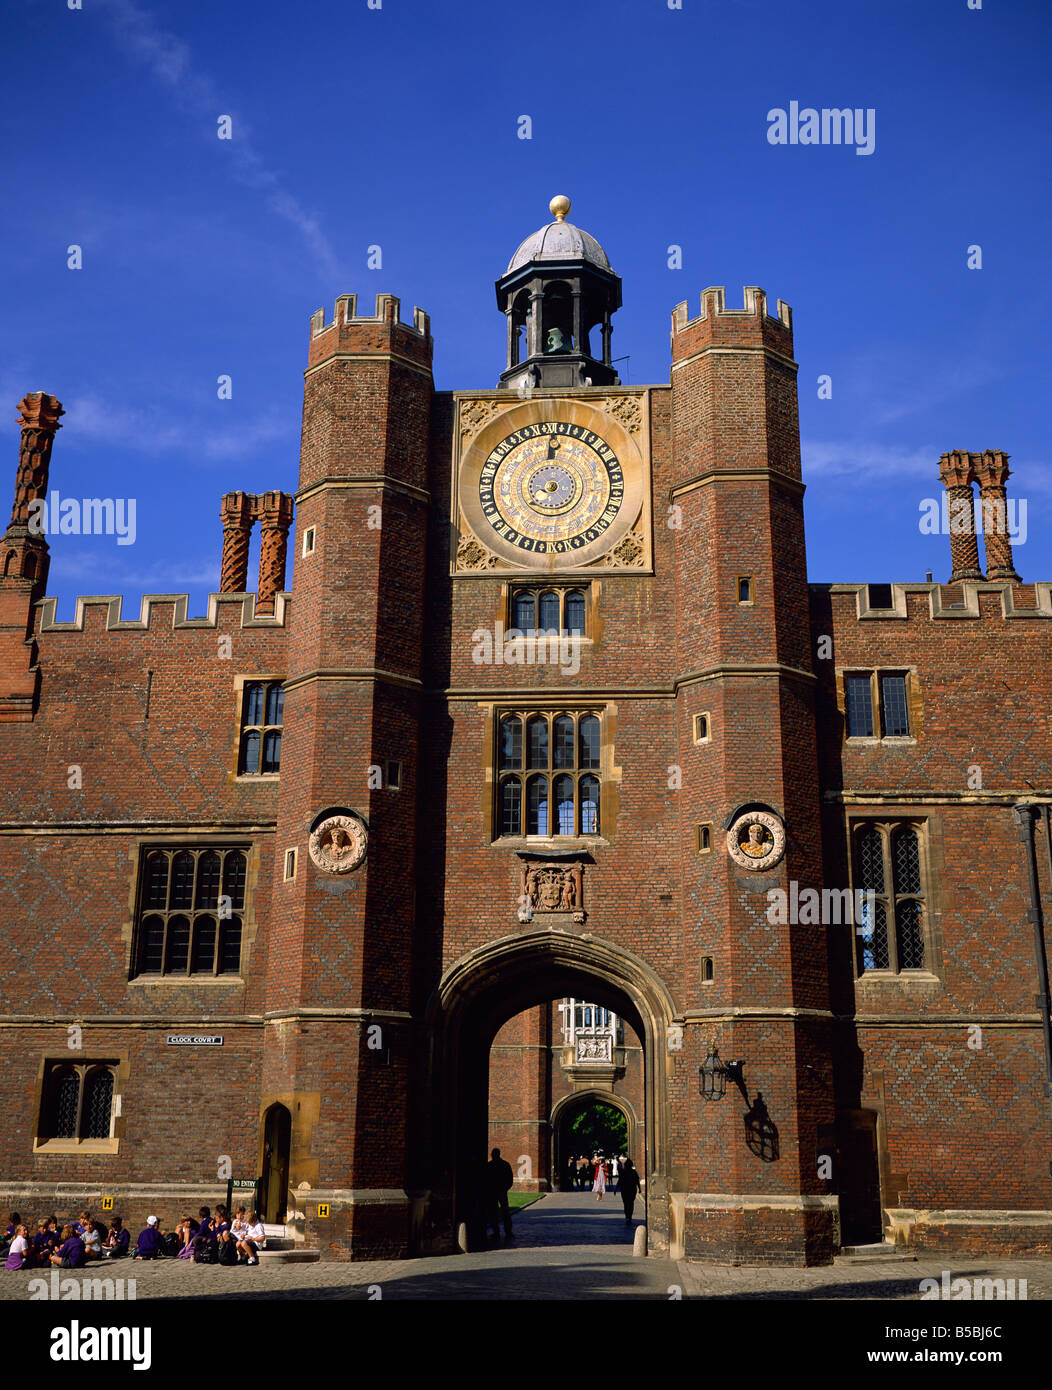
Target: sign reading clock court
552 483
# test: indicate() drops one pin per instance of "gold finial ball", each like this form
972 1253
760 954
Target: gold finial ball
559 207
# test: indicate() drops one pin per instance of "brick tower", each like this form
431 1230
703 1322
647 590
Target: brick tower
745 719
340 946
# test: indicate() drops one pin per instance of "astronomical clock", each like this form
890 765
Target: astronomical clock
552 483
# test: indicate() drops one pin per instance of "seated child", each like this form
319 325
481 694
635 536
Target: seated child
254 1241
92 1238
117 1240
16 1256
70 1254
149 1244
239 1226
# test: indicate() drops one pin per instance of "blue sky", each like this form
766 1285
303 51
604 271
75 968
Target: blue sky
398 127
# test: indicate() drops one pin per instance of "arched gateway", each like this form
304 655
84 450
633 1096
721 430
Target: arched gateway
490 985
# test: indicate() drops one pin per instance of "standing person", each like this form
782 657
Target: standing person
614 1173
499 1179
629 1187
583 1171
16 1255
599 1182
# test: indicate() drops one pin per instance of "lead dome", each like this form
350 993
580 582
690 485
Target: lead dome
559 240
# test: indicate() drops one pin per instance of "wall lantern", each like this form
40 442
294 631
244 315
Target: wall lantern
713 1075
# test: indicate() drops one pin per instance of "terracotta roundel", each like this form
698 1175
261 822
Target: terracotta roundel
756 840
338 844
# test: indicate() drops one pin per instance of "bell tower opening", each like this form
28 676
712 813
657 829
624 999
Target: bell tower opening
558 288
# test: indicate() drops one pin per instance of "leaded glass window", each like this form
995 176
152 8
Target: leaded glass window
893 710
858 703
561 611
98 1103
262 717
888 867
77 1101
544 780
191 912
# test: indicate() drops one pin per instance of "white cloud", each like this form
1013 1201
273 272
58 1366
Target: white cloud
171 62
832 458
148 430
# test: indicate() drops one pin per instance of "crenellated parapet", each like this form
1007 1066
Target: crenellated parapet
953 602
718 326
352 333
224 611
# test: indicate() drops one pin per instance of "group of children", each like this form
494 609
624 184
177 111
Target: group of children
206 1240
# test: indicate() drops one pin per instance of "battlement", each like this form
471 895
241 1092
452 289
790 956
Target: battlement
388 310
224 610
714 305
953 601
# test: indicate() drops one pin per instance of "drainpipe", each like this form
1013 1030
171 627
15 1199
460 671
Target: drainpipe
1024 815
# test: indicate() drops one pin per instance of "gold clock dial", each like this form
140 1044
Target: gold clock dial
551 487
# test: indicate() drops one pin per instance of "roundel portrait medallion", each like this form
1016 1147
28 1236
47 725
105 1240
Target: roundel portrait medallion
551 487
553 483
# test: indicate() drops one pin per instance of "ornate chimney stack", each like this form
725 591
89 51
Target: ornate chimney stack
24 563
274 510
955 469
991 471
238 511
25 542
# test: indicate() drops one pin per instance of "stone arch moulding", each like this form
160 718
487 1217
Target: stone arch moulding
487 986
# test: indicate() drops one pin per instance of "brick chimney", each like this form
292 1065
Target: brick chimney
24 566
955 469
275 517
238 511
991 472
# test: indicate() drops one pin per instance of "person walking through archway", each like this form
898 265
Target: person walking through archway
599 1182
628 1186
499 1179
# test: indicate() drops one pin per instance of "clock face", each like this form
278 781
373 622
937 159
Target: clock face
551 487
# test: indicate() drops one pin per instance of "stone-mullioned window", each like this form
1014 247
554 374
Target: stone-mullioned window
191 911
77 1103
547 773
889 866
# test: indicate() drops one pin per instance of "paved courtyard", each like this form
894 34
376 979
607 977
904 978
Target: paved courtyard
565 1246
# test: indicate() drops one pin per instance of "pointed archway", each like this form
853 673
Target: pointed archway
564 1111
475 997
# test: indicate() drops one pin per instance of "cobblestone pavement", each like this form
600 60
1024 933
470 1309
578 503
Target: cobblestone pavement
566 1246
